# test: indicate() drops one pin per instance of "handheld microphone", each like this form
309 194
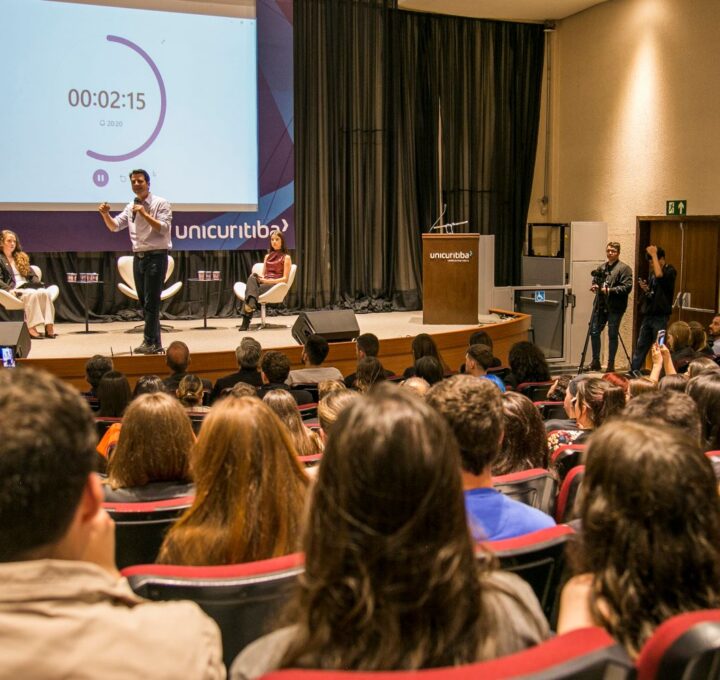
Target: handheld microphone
137 201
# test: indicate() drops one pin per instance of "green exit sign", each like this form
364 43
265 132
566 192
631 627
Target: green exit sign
676 207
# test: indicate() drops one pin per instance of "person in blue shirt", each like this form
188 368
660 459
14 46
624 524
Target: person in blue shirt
478 359
473 409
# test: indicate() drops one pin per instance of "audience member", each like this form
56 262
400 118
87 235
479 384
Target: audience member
366 345
423 345
703 364
177 358
619 381
241 389
650 544
665 407
274 369
95 368
330 407
325 387
473 409
527 364
595 402
429 369
478 359
418 385
64 610
569 405
559 387
370 372
699 339
250 490
247 354
114 394
313 355
391 580
675 382
679 341
481 338
151 460
306 442
637 386
714 335
705 392
190 393
524 444
148 384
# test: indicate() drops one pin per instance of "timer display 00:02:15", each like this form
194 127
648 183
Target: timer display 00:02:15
106 100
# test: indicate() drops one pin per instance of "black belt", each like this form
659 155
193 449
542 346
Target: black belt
143 253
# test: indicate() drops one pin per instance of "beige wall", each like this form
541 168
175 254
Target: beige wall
636 114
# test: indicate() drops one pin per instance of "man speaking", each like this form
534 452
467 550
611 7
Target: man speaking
149 219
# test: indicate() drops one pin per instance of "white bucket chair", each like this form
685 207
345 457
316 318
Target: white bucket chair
273 296
127 285
13 304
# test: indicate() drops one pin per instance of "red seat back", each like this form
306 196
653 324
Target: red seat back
536 487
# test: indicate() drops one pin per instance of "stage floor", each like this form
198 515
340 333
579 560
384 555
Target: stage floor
112 339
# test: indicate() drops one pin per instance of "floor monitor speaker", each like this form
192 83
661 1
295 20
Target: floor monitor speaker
15 334
335 326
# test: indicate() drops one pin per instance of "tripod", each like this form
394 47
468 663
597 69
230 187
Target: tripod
593 317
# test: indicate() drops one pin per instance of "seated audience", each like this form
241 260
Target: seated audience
249 490
478 359
527 364
190 394
665 407
65 612
679 341
699 339
705 392
95 368
619 381
247 354
241 389
423 346
418 385
314 352
637 386
473 409
274 369
703 364
151 459
177 358
387 586
569 405
482 338
559 387
330 407
306 442
148 384
114 394
713 333
595 402
366 345
675 382
325 387
429 369
370 372
650 544
524 445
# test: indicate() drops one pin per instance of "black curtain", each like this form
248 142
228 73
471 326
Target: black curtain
373 86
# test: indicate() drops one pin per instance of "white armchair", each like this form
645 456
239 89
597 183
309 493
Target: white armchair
275 295
127 285
14 304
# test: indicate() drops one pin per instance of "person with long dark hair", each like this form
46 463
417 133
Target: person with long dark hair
705 392
391 577
527 364
423 345
650 542
524 445
276 269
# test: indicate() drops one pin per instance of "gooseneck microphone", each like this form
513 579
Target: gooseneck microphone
435 223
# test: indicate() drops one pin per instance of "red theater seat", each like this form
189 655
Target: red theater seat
565 510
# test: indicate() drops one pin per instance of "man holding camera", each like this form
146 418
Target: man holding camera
658 292
612 283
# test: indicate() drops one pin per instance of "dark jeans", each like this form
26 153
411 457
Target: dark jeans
254 289
649 328
612 319
149 270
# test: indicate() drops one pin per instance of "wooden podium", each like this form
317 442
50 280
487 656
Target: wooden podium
450 278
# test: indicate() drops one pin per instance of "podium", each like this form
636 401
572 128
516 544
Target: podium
450 278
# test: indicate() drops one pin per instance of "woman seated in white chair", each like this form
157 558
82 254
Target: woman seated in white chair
276 269
19 279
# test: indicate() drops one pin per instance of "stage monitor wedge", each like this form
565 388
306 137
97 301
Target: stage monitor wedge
334 325
15 334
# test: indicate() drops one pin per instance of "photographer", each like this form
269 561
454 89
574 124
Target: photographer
657 301
612 283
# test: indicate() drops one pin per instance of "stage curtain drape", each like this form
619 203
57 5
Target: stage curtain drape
373 86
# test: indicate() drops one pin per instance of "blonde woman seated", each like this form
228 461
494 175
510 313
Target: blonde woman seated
391 578
19 279
249 490
650 541
307 442
190 393
151 460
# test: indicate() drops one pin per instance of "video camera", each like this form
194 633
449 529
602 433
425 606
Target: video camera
599 276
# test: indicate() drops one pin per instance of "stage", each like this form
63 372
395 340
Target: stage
213 350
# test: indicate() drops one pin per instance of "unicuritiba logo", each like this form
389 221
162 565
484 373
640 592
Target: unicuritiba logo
224 232
457 256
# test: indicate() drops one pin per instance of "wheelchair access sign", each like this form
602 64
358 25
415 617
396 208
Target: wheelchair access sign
539 296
